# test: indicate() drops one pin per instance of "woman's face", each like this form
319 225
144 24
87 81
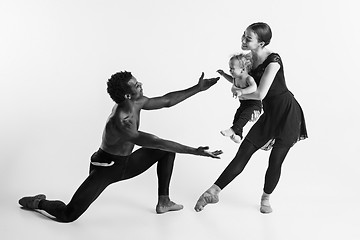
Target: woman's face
249 40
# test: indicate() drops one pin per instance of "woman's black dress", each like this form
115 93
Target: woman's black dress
282 123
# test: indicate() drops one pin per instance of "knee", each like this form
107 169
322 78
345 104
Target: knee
274 168
167 155
68 218
171 155
69 215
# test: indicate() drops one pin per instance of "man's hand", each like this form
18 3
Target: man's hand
205 84
203 151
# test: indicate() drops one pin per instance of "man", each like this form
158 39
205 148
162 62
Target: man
115 161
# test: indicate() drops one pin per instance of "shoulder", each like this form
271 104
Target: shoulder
273 60
273 57
249 78
141 101
122 118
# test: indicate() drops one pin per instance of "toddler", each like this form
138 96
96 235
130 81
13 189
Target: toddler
243 83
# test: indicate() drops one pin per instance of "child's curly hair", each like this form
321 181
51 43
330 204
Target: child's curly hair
244 59
117 86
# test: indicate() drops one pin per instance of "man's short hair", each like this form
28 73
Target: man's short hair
118 87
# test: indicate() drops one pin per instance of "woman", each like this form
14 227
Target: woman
278 129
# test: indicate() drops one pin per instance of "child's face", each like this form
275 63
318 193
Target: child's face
236 68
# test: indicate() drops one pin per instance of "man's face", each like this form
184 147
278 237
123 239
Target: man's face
136 88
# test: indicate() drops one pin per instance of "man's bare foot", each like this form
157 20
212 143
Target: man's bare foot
206 198
166 205
31 202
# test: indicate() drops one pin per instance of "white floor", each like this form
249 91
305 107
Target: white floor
56 57
311 202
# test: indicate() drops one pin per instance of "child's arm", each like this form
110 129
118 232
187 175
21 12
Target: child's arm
265 82
249 89
226 76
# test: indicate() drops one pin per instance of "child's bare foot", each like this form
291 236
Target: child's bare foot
235 138
230 133
227 132
166 205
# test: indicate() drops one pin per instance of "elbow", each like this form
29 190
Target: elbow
150 141
261 96
168 103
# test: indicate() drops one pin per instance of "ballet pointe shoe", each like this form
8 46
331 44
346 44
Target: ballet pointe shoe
205 199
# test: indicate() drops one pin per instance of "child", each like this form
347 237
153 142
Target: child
243 83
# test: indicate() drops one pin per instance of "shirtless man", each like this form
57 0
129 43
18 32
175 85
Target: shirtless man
115 160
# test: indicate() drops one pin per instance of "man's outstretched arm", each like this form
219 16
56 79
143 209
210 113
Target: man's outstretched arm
151 141
173 98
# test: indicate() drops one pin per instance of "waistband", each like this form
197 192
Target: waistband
278 95
105 159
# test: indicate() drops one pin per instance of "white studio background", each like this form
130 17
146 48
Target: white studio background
55 59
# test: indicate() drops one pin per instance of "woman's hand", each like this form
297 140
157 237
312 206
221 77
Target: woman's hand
255 116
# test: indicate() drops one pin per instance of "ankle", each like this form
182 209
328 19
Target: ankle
265 196
214 189
265 199
37 203
163 199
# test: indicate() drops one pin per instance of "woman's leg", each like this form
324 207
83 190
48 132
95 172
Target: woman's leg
272 176
273 172
235 167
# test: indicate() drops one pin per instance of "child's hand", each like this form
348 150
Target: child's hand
236 91
221 72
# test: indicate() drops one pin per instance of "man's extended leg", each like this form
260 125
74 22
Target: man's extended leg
98 179
86 194
141 160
